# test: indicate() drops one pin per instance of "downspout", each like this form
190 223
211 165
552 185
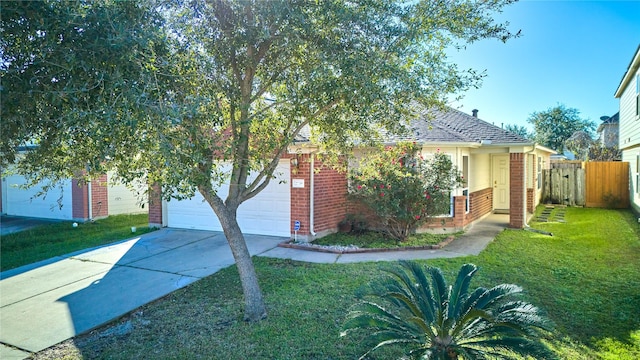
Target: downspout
312 198
89 196
90 200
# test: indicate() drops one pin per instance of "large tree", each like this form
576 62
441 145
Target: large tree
555 125
193 94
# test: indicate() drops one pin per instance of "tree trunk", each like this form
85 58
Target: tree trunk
254 308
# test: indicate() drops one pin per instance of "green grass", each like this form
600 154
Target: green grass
586 278
46 241
374 239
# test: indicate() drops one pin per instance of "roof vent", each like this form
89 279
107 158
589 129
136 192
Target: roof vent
475 113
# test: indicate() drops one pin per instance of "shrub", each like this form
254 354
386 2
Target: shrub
415 308
403 188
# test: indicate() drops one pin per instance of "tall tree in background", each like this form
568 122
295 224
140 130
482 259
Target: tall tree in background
194 94
519 130
555 125
579 143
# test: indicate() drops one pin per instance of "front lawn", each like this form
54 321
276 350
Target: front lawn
586 277
46 241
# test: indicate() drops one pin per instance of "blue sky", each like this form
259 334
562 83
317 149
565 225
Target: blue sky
570 52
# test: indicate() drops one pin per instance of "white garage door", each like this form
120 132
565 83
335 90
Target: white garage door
268 213
124 200
56 204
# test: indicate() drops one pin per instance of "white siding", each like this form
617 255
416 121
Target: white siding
631 156
479 172
629 121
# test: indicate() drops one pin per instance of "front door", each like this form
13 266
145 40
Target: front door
500 165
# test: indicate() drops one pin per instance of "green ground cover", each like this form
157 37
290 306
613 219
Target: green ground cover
373 239
585 277
46 241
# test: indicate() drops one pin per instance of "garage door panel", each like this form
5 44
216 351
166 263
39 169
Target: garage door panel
268 213
23 202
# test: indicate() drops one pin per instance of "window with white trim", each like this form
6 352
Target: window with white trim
539 172
637 96
465 181
638 174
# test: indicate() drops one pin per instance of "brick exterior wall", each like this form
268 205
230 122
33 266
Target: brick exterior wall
530 200
79 200
330 190
480 203
155 206
330 196
301 197
99 199
516 192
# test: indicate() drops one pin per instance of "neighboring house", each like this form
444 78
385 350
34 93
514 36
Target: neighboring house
629 143
608 131
503 172
68 201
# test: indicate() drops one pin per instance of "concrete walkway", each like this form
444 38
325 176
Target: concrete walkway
48 302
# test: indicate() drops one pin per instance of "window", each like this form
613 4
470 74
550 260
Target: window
539 172
465 181
638 174
638 95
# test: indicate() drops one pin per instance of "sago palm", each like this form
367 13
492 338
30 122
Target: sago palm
415 308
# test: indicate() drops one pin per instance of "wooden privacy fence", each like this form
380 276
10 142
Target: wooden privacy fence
607 184
591 184
564 185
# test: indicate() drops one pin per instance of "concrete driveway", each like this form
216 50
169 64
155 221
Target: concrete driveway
12 224
48 302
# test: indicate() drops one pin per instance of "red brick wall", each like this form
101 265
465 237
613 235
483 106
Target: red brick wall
480 203
330 197
301 197
79 200
530 200
100 197
155 206
516 192
330 189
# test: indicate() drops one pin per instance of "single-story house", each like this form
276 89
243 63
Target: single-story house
629 139
71 200
503 172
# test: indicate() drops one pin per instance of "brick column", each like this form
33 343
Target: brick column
79 200
155 206
517 195
459 211
99 197
300 196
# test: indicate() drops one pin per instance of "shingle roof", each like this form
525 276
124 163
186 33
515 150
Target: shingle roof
447 126
451 125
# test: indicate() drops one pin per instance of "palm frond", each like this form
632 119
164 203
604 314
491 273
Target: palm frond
460 288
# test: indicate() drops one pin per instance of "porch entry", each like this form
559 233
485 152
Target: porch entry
500 179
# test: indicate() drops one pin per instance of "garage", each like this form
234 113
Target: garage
268 213
125 200
17 201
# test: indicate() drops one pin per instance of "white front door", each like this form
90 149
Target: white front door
500 165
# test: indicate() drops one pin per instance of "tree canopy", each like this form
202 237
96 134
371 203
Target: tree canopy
192 94
555 125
